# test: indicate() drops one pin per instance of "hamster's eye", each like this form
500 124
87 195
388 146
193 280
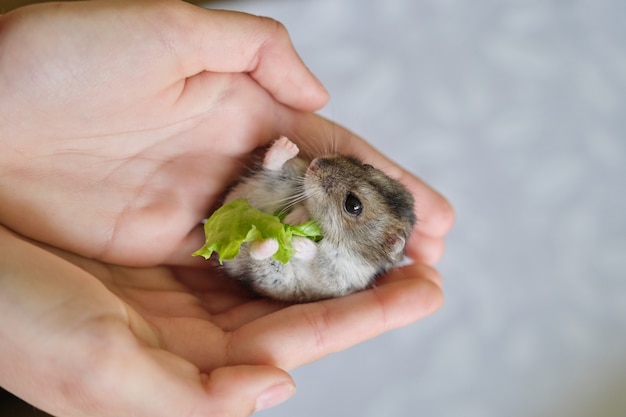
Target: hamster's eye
352 205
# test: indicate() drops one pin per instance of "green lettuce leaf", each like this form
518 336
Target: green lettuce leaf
237 222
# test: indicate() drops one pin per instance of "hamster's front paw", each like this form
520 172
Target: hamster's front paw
280 152
263 249
305 248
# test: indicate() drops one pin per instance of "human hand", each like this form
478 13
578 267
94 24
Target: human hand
121 171
116 142
83 338
116 116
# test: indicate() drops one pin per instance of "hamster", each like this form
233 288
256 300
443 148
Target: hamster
366 218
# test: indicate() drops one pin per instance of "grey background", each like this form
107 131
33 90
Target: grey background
516 111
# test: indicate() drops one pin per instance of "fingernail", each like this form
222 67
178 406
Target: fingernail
274 395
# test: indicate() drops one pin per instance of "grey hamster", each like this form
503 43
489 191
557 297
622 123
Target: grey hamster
366 218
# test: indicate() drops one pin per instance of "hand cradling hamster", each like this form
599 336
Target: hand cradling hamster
366 218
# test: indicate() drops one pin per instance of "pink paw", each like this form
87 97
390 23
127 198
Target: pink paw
305 248
263 249
280 152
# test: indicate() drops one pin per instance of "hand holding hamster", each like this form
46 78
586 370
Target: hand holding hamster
365 217
110 154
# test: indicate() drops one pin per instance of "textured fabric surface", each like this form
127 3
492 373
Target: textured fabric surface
516 111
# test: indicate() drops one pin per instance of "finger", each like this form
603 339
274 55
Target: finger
242 390
172 386
435 215
316 135
226 41
155 383
90 343
408 272
425 249
303 333
161 384
189 244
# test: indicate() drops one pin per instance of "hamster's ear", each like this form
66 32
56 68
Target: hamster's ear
396 246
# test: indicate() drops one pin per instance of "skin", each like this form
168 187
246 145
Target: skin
114 144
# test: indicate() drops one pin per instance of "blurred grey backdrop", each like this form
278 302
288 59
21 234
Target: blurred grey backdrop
516 111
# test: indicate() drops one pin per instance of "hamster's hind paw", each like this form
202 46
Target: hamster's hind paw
281 151
263 249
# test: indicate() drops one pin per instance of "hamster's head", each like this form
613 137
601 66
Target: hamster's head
359 208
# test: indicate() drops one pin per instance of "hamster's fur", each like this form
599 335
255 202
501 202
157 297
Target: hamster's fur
366 218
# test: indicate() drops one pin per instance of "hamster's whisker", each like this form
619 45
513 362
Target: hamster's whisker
292 201
328 139
333 141
295 200
313 194
306 145
297 196
313 146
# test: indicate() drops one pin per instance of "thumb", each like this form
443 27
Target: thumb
245 389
